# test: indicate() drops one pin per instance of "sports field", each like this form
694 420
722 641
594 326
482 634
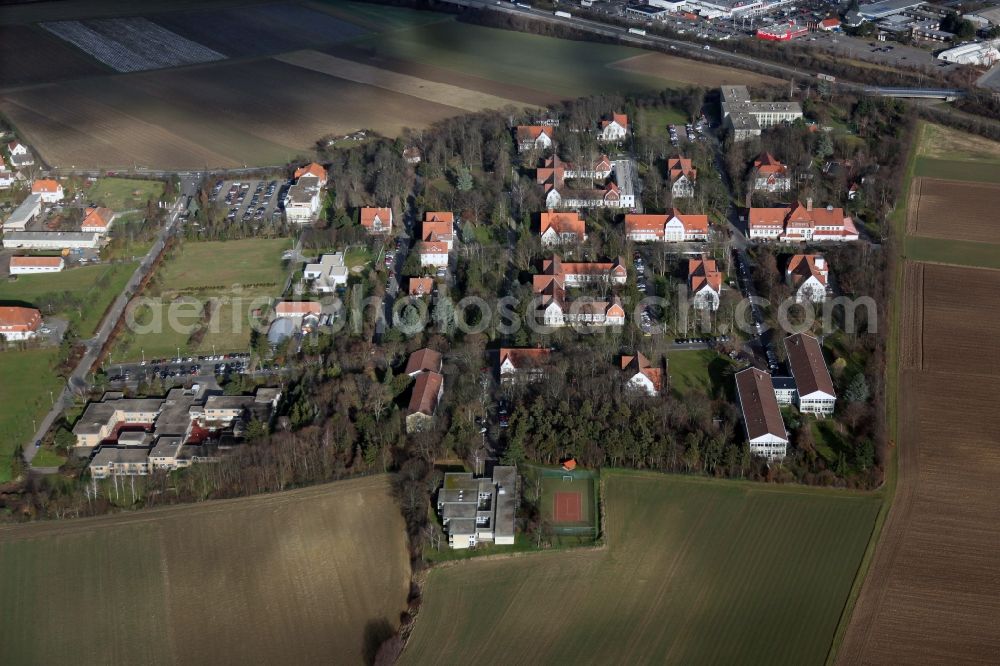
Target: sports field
294 577
26 378
568 501
211 285
338 67
93 288
696 571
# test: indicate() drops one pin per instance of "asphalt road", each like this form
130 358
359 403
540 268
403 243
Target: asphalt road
78 378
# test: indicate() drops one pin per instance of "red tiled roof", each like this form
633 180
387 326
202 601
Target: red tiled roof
620 118
41 262
46 185
563 223
311 169
803 266
98 217
369 214
423 360
532 132
425 393
433 247
697 224
286 308
680 166
18 319
524 356
766 164
420 286
767 217
433 230
704 271
439 216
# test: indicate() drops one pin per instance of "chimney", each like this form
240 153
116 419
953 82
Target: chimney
809 204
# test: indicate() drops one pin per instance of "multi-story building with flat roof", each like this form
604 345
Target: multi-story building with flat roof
474 510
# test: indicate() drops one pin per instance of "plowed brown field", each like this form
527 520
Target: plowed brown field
954 210
933 594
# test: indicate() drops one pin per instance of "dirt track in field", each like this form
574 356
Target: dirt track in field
694 72
932 594
951 209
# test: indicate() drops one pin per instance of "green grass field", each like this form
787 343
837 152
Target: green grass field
26 377
975 171
571 68
703 371
696 571
120 194
240 275
960 253
96 287
655 121
165 586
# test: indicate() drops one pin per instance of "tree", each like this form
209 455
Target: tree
857 390
824 146
463 179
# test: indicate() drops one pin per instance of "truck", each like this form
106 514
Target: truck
636 31
564 14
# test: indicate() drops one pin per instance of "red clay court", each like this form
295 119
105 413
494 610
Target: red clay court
568 506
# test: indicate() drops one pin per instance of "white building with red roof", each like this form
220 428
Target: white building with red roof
705 283
377 221
98 220
671 227
297 309
522 363
557 310
17 323
642 375
560 228
312 169
533 137
50 190
801 223
682 176
808 275
32 265
615 129
770 175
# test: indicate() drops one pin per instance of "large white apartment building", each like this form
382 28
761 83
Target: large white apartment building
475 510
747 118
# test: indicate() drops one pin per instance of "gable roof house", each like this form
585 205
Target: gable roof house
20 156
438 227
559 228
762 422
705 283
557 310
770 175
7 177
427 389
814 391
671 227
423 360
98 220
50 190
522 364
297 309
28 265
420 286
642 376
377 220
615 129
682 176
552 176
801 223
808 276
533 137
312 169
17 323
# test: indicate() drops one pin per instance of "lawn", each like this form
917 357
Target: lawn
703 371
656 120
697 571
120 194
330 576
960 253
237 276
94 287
26 377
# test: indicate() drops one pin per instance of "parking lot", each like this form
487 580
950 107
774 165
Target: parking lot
249 201
183 367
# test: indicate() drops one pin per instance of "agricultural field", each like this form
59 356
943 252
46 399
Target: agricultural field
695 571
928 595
293 577
341 67
92 288
20 64
214 286
261 29
954 210
132 44
943 143
681 70
704 371
26 377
